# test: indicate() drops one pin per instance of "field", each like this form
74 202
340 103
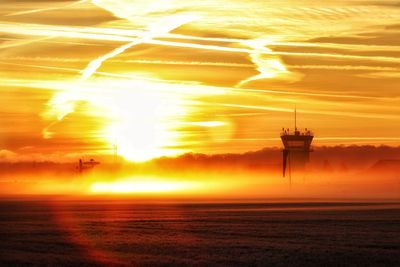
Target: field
127 233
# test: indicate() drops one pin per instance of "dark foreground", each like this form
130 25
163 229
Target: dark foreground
97 233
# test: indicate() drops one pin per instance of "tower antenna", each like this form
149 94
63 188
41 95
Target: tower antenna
115 148
296 150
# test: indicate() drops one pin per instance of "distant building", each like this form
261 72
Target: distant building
86 165
297 148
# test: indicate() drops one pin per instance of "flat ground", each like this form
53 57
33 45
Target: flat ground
124 233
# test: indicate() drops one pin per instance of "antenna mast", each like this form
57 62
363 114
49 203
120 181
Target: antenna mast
115 147
295 118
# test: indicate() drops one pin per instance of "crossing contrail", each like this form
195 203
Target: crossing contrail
163 27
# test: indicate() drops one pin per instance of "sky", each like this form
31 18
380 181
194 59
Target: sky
146 79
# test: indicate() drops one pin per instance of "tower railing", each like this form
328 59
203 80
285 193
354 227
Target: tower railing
306 132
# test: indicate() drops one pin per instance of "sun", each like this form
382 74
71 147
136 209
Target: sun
143 126
140 118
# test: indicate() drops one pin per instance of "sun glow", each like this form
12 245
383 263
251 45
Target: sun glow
140 118
142 128
136 115
147 186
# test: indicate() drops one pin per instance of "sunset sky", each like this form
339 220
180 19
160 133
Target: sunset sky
199 132
158 78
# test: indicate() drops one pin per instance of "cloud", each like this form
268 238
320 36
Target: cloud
7 155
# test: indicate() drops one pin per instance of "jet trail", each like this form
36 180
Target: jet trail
93 34
267 67
320 112
16 43
165 26
46 9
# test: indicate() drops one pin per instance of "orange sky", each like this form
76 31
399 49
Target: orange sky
156 78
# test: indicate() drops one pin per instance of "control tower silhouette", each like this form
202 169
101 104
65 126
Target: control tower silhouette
296 152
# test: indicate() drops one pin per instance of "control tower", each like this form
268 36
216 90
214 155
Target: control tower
296 152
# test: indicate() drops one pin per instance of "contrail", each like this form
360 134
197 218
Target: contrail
16 43
279 53
267 67
45 9
321 112
205 63
239 90
92 34
163 27
40 66
188 63
101 73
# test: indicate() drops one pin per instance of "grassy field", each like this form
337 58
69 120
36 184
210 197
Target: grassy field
124 233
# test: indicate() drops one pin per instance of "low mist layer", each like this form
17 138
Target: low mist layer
354 172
